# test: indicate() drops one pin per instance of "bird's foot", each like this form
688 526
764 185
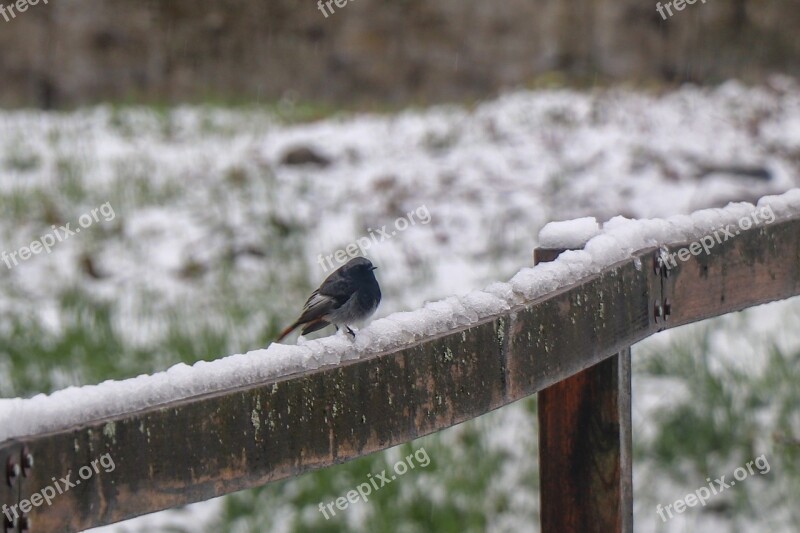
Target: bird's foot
351 332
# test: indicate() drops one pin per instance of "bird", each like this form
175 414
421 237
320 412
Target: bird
350 294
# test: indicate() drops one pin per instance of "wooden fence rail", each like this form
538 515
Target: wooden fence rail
206 446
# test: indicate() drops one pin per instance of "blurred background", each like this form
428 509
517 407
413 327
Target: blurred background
239 141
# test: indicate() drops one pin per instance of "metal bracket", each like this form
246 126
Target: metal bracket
18 465
662 306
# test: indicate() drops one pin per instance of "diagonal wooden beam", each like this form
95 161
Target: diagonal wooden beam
206 446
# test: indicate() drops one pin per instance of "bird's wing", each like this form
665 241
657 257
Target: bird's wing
331 295
339 290
316 306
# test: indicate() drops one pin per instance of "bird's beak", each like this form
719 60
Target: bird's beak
374 268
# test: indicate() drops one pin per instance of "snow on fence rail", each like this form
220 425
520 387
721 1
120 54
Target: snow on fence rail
562 328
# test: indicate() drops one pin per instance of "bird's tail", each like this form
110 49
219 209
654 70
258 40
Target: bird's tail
288 330
309 327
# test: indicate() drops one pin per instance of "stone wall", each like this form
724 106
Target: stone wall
71 52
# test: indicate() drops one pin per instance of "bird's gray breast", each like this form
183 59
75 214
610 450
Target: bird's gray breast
360 306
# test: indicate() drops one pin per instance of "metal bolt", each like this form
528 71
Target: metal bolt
667 309
657 264
27 461
24 523
9 525
658 311
12 471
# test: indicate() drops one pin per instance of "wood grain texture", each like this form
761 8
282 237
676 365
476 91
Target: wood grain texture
585 459
210 445
585 450
758 266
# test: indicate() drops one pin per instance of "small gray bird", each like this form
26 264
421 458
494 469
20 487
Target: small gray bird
350 294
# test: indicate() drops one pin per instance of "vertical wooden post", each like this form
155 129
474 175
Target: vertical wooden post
585 461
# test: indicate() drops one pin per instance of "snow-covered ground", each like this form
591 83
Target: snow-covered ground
490 177
193 187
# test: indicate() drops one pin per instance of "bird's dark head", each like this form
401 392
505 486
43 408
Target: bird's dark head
358 267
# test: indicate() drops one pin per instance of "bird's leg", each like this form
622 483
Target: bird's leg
351 332
337 328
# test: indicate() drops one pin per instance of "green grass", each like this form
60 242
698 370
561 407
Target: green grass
728 414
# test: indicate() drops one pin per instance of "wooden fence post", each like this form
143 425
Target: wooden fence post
585 459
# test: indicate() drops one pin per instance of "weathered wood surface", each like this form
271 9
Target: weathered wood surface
585 462
203 447
585 457
206 446
758 266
